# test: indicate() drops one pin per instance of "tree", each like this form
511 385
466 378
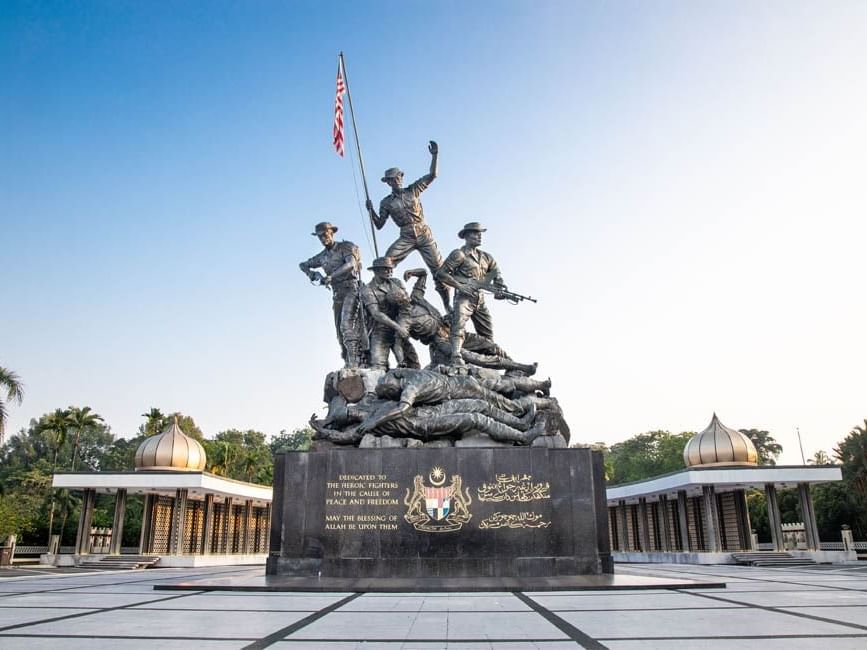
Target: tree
57 425
241 455
81 419
852 453
11 383
767 449
647 454
820 458
298 440
154 424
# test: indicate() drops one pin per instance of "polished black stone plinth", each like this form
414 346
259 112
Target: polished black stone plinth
439 513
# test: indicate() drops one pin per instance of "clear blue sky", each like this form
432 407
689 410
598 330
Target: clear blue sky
681 184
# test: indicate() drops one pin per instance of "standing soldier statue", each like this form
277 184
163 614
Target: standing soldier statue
470 270
341 261
404 207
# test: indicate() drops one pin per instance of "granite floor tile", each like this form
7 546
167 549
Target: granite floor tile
14 616
187 624
813 643
625 601
700 623
856 615
92 643
245 602
87 601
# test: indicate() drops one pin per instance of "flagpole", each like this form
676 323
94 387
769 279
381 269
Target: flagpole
358 149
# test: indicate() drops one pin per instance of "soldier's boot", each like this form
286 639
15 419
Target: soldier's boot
443 291
527 385
521 424
505 433
541 403
457 341
353 354
529 416
527 369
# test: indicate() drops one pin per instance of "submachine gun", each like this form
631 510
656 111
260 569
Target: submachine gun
487 285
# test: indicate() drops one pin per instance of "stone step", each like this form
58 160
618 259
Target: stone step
770 558
115 562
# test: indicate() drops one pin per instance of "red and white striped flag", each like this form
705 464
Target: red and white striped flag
338 113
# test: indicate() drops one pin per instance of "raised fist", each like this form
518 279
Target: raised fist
433 148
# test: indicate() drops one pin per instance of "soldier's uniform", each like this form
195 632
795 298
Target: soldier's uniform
426 324
419 387
382 337
464 264
344 294
405 209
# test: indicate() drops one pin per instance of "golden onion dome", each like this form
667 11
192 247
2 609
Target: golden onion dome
170 450
719 445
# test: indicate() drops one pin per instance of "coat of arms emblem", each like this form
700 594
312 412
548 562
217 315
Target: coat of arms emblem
437 508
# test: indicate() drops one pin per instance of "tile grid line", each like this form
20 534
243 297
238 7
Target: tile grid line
95 610
817 587
274 637
579 637
779 610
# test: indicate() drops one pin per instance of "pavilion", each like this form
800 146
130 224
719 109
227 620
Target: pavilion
190 517
699 515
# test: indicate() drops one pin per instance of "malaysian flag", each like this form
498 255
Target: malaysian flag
338 113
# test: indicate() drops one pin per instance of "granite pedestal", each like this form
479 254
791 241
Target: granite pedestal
439 513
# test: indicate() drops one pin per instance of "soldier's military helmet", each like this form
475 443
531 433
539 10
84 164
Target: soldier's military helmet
381 263
472 225
391 172
321 227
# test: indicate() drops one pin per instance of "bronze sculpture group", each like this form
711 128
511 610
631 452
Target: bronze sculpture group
472 393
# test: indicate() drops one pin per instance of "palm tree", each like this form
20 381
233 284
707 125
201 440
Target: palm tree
820 458
56 424
155 419
11 383
81 419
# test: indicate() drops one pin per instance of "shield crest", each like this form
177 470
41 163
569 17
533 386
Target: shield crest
437 502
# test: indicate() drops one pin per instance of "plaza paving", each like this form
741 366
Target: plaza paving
813 607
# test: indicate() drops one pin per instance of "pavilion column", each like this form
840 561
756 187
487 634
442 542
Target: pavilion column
811 529
85 520
745 529
207 524
624 530
248 523
117 524
643 527
147 526
267 527
774 516
711 519
179 515
682 510
665 523
227 547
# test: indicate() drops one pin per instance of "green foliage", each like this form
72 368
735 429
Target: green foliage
647 454
820 458
11 383
241 455
835 505
298 440
157 423
852 454
767 449
77 437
